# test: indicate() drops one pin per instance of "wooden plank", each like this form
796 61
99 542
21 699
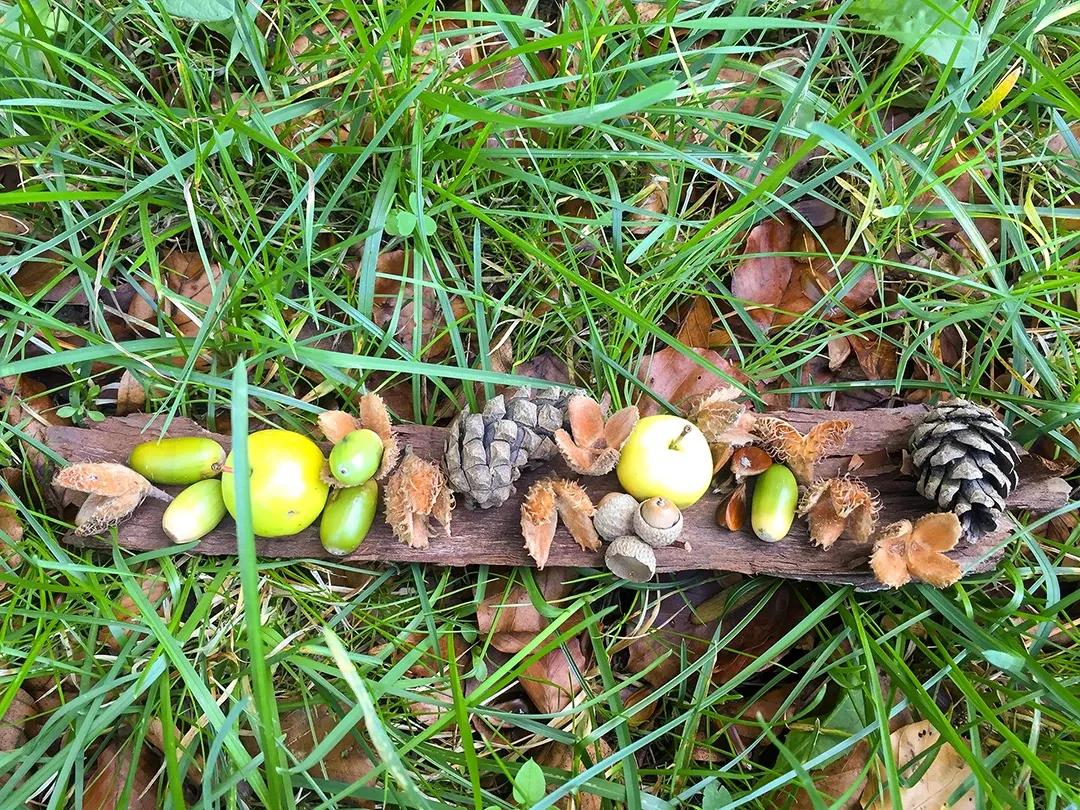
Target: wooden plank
493 536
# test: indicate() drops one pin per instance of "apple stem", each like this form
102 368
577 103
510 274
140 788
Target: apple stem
675 442
225 468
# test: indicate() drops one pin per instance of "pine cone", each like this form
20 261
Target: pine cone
486 452
965 462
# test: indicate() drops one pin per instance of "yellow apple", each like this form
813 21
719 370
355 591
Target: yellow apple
287 490
666 457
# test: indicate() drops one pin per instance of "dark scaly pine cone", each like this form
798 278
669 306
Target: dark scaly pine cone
965 462
486 452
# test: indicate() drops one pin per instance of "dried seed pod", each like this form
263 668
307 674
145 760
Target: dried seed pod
800 452
731 513
838 506
658 522
631 558
615 515
749 461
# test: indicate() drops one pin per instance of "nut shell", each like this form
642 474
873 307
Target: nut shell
615 515
658 522
631 559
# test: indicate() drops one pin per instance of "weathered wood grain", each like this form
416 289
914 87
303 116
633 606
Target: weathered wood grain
493 536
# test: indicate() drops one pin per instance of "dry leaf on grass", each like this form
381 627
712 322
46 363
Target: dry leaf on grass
187 282
566 500
750 717
551 682
677 378
903 551
782 287
157 594
130 395
11 528
510 617
14 731
837 506
945 773
572 760
653 204
415 493
596 443
392 286
24 403
346 762
801 452
674 628
106 785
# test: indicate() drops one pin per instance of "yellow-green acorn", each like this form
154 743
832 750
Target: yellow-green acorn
347 517
195 512
179 460
356 457
776 494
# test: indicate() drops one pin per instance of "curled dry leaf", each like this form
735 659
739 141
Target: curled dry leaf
595 444
731 514
677 378
510 616
107 785
11 528
903 551
415 493
554 681
940 779
187 280
652 203
127 610
801 452
836 506
24 403
696 325
546 502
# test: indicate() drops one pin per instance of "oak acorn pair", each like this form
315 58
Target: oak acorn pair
634 530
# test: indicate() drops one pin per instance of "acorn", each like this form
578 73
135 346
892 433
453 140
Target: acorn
631 558
347 517
615 515
776 494
178 460
658 522
195 512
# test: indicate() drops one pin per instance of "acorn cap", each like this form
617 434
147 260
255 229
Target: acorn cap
630 558
615 515
658 522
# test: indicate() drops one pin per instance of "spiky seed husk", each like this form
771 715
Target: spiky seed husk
593 444
837 506
630 558
576 511
375 416
100 512
903 551
965 462
486 452
539 517
800 452
416 492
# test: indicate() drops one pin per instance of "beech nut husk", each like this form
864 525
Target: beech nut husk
658 522
615 515
630 558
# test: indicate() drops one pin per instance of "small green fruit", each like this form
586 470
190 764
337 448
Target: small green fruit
347 517
195 512
776 494
356 457
177 461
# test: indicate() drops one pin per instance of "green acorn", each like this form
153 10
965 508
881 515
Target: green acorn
776 494
178 461
347 517
356 457
195 512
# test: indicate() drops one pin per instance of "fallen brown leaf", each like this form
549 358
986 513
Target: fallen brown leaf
676 378
11 528
653 205
13 725
130 395
186 281
939 781
105 786
551 682
24 403
156 590
573 760
696 325
510 618
346 762
748 718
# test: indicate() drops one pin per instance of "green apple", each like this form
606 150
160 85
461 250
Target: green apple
356 457
666 457
287 490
